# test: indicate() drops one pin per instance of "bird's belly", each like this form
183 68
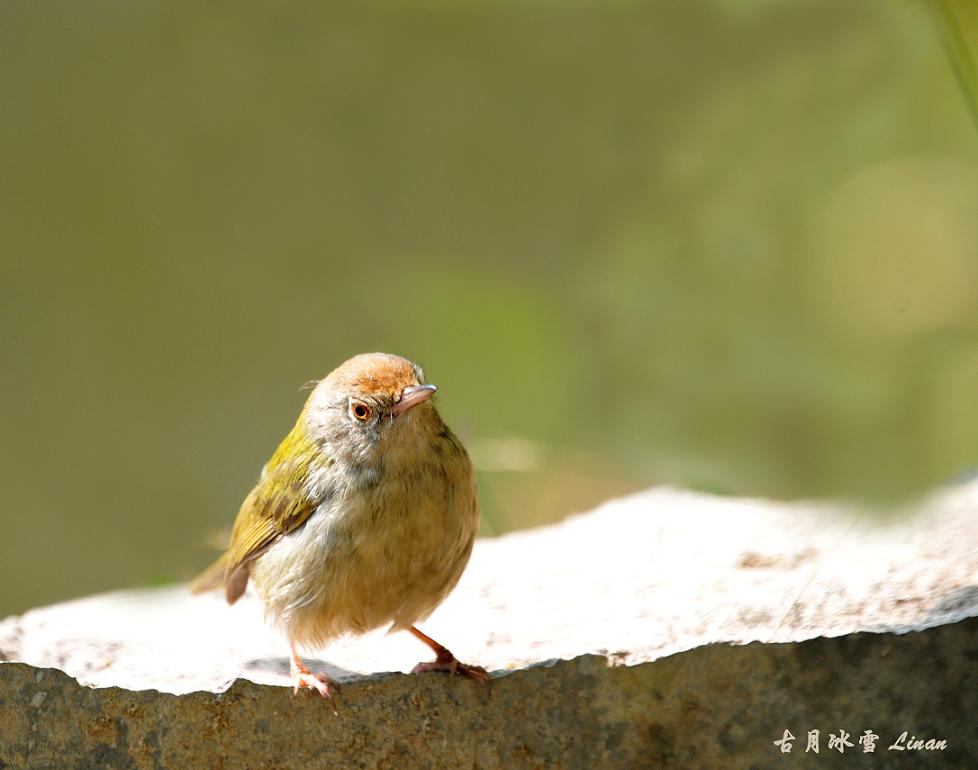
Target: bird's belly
358 565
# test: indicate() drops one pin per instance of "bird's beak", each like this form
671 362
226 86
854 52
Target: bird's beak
413 396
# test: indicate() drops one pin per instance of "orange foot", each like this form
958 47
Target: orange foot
445 661
303 677
452 666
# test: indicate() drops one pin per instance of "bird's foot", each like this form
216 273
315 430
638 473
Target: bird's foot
318 682
303 677
450 665
445 661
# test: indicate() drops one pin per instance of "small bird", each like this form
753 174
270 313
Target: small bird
364 516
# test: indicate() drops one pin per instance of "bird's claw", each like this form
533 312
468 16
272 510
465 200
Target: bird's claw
451 665
303 677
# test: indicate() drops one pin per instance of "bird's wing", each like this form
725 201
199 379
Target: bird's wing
281 501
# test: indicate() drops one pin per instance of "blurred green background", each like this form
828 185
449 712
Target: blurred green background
727 245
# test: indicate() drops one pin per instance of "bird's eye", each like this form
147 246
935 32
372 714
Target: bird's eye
360 411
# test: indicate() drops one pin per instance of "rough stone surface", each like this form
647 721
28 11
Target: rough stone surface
609 637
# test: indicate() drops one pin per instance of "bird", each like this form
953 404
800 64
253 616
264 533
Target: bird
364 517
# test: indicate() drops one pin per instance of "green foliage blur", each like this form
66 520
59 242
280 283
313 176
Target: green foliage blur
727 245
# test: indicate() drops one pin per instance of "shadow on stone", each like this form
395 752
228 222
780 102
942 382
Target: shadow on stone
958 604
281 666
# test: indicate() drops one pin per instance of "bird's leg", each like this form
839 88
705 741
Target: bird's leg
303 677
445 661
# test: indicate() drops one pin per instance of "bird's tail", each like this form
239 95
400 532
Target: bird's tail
212 577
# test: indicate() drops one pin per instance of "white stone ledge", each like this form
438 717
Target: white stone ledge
634 597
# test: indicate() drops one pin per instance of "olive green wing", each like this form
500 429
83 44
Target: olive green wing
280 503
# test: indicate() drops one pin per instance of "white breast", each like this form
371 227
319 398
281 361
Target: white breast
378 554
